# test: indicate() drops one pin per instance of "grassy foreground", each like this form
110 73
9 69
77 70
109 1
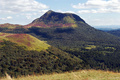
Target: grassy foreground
78 75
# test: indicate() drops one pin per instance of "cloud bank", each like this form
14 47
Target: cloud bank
15 6
98 6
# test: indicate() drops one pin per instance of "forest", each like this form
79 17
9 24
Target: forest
16 61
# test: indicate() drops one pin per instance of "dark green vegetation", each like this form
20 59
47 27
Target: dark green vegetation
74 37
78 46
98 50
16 61
115 32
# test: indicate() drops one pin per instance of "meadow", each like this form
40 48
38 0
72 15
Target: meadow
76 75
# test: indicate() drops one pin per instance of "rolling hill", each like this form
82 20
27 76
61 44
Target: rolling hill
30 42
9 26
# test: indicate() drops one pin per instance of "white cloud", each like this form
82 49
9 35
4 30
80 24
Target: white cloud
70 12
42 11
66 11
9 17
99 22
29 15
14 6
84 11
98 6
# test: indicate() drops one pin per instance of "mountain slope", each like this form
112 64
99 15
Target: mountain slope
30 42
71 36
115 32
55 19
74 37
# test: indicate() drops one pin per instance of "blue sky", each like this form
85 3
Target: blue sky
94 12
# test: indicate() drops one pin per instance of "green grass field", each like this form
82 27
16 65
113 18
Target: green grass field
77 75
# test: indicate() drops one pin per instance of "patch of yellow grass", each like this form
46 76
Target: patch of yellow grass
77 75
90 47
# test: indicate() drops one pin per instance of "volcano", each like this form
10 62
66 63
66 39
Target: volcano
56 19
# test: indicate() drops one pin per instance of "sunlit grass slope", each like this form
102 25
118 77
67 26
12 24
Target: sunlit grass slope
9 26
30 42
78 75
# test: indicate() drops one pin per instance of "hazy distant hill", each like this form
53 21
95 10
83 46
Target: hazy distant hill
108 27
105 29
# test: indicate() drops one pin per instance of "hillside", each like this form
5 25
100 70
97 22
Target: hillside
82 34
115 32
30 42
9 26
76 75
17 61
74 37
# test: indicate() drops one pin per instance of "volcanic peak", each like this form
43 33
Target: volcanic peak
56 16
56 19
